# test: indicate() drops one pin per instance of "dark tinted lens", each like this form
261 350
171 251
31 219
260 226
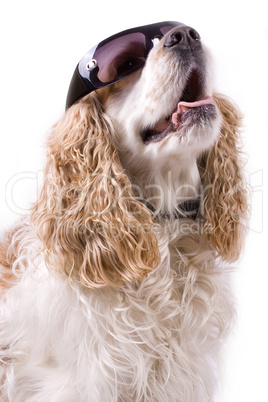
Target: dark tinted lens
121 57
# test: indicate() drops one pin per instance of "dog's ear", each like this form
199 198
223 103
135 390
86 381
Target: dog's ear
225 193
91 226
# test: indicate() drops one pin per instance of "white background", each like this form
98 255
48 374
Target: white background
41 43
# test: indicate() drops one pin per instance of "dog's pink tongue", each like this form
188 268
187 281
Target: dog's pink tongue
183 106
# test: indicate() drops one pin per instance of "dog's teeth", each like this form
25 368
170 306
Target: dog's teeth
183 108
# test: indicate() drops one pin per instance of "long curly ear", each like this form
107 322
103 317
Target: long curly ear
225 194
91 226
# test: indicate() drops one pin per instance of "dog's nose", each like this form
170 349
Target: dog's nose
183 37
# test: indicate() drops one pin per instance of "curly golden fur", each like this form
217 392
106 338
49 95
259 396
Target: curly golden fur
98 241
226 197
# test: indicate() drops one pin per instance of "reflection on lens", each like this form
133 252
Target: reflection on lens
166 29
121 56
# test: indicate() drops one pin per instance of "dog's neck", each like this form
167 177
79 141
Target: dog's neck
168 185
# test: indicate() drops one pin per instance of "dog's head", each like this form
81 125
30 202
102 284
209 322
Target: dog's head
167 107
139 119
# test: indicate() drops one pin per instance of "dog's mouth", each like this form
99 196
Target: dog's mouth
191 98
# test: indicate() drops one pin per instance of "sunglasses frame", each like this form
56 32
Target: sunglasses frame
85 78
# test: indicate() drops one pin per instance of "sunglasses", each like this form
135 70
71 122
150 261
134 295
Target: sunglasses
115 58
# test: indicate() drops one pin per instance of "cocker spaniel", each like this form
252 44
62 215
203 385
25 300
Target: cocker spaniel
115 289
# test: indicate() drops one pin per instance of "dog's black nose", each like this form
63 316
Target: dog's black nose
183 37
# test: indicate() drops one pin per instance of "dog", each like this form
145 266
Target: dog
117 287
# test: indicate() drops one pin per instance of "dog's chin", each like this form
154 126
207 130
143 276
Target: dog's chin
185 124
